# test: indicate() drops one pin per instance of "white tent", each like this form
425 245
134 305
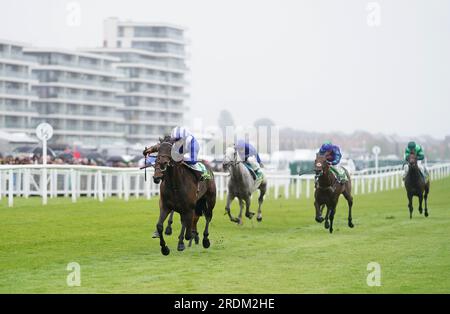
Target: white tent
9 141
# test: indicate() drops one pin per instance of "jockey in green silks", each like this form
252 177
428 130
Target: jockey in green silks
417 149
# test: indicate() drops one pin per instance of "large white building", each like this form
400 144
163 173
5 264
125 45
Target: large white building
130 91
77 96
153 62
16 95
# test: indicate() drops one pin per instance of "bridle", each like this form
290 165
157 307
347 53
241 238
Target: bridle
413 163
321 165
158 159
234 161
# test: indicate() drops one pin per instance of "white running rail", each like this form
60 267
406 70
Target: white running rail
100 183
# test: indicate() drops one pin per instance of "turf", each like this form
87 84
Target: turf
286 253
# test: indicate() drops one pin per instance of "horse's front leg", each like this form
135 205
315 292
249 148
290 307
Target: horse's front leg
163 212
427 190
410 206
332 212
248 213
228 208
420 203
319 209
327 222
169 224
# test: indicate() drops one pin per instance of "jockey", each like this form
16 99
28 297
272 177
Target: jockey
248 153
333 153
417 149
189 146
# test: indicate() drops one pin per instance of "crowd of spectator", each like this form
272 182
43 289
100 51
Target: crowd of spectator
60 160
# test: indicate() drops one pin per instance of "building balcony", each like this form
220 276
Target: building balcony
17 91
81 97
74 64
17 74
17 56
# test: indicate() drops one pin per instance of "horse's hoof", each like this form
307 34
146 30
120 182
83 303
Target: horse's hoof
165 250
206 243
259 219
236 220
327 224
426 214
249 215
350 224
331 230
155 235
319 219
168 231
196 239
181 247
420 211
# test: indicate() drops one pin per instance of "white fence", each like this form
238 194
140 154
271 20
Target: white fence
102 182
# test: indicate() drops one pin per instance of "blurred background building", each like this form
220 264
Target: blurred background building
152 60
131 90
77 96
16 95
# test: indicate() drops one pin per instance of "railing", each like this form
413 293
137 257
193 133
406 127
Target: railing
100 183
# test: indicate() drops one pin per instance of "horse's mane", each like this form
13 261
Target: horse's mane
166 139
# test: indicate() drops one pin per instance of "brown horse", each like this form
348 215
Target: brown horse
416 185
182 191
327 193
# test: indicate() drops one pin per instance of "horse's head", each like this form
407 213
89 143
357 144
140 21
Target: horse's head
320 164
231 157
412 160
163 160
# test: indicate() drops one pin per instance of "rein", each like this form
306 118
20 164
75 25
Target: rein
331 187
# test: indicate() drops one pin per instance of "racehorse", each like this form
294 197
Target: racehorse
182 191
327 192
242 185
416 185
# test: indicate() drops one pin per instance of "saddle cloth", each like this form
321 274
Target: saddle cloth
340 173
258 176
200 168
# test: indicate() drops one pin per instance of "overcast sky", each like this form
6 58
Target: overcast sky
314 65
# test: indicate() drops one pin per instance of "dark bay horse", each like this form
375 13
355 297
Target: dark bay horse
181 191
416 185
327 193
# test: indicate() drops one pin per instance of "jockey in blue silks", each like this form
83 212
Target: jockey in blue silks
333 153
248 153
189 145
